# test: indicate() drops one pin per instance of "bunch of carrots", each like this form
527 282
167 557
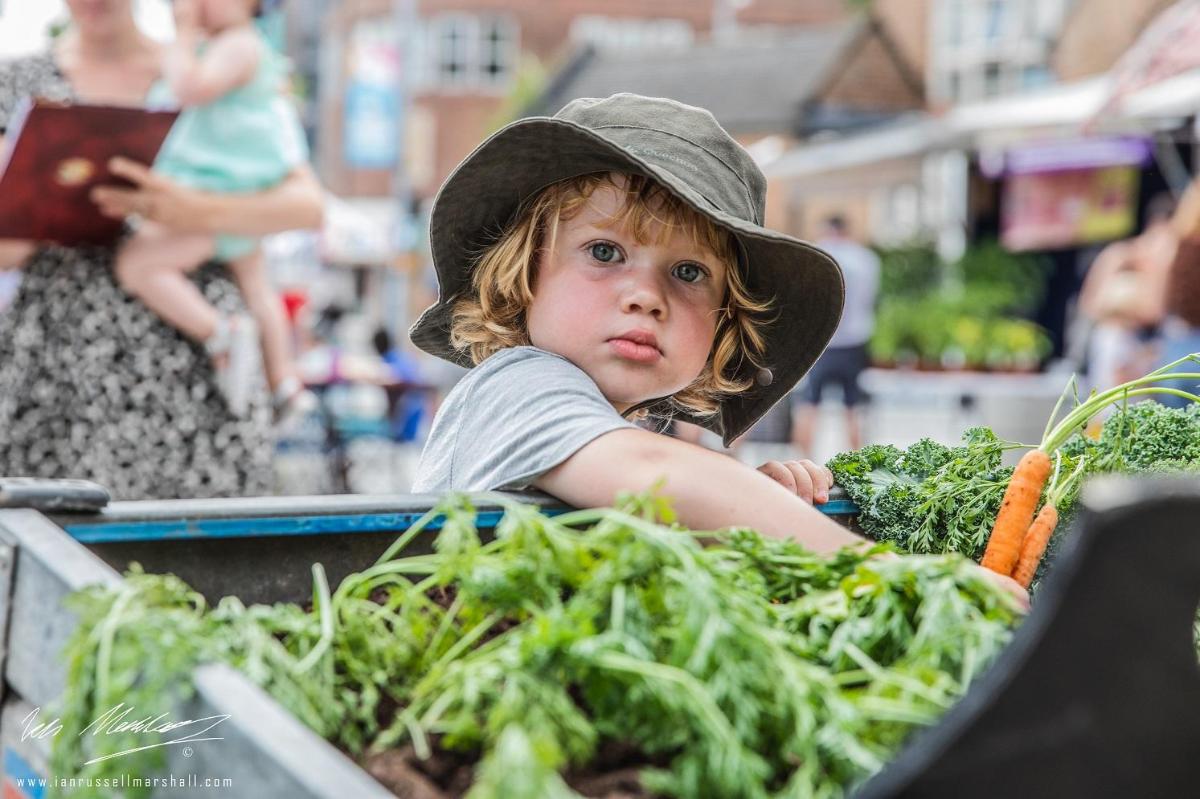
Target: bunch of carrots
1018 540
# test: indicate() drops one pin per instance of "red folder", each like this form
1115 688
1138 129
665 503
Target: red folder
55 154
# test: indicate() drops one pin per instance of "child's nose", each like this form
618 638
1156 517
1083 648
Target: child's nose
644 295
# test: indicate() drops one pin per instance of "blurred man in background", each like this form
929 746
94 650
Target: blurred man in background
846 357
1124 296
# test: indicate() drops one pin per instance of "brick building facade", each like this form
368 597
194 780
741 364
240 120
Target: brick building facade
449 113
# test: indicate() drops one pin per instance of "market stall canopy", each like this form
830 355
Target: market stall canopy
1169 46
1177 97
1055 112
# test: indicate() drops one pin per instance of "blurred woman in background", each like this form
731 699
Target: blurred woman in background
92 384
1181 330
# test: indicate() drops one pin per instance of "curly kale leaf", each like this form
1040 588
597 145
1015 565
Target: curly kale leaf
866 471
1149 433
1143 437
929 498
924 458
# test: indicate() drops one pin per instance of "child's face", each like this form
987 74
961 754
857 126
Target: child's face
638 318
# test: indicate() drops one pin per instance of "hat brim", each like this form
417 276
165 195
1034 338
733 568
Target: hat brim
482 196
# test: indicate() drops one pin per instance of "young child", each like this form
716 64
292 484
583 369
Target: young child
237 133
611 262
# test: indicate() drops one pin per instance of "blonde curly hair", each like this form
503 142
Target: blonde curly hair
492 316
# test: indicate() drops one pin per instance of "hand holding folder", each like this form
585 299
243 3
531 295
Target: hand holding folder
55 154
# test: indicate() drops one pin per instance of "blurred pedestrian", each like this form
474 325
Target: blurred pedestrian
410 400
1181 330
237 133
92 383
844 360
1123 296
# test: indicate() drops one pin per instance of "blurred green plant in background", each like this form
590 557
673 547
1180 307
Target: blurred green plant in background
969 314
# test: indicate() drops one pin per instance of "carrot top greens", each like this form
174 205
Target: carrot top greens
748 668
933 498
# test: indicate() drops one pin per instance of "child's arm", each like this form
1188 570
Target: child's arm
229 61
709 490
296 203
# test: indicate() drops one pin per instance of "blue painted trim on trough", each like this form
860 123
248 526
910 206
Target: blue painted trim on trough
252 526
838 507
256 526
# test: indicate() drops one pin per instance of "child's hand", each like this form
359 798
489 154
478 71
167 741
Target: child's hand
1008 584
1001 581
807 480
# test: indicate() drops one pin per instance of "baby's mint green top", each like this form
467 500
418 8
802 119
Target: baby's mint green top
248 139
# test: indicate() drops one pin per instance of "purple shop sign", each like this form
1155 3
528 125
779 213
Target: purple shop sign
1061 156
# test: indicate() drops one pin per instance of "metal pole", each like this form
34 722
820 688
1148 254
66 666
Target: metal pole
404 16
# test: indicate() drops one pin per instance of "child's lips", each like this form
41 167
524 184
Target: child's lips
634 351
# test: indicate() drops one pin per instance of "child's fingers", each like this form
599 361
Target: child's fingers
806 484
780 474
819 477
1008 584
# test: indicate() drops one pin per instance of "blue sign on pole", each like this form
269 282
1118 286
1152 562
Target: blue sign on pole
372 126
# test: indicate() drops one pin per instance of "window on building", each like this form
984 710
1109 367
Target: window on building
983 48
954 22
994 25
453 36
497 55
993 79
468 51
954 91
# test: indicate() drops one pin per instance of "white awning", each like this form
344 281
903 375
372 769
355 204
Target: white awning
903 139
1173 97
1059 110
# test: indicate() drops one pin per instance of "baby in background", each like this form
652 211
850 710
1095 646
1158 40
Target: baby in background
237 133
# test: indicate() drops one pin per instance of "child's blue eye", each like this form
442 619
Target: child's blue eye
604 252
688 273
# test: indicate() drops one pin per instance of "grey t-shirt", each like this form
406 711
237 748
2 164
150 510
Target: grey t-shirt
511 419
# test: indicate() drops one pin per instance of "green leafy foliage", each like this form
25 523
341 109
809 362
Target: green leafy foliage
965 314
749 668
933 498
1143 436
929 498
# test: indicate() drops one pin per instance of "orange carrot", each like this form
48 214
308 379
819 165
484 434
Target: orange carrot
1016 512
1035 544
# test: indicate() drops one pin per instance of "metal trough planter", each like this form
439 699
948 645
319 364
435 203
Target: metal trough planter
1098 695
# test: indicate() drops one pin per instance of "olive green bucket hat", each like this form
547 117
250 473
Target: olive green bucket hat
683 148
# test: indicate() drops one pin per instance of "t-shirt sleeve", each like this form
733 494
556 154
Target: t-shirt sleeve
523 414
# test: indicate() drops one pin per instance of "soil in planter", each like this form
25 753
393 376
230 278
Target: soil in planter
612 774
